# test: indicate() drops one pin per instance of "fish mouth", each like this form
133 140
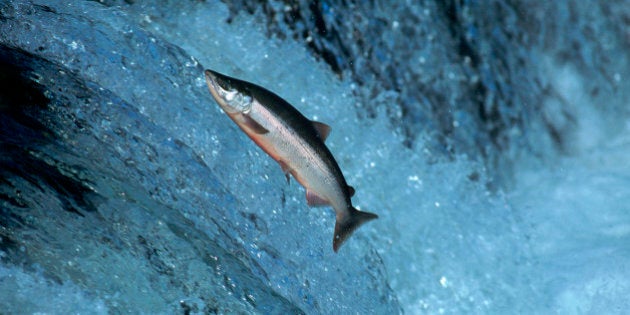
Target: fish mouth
226 92
218 80
210 75
212 82
219 88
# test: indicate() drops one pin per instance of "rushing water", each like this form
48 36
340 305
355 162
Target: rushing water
491 137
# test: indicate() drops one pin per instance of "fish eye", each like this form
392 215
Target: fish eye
224 83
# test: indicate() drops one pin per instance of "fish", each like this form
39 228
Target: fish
295 142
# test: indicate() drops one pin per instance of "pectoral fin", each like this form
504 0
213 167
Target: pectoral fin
322 129
314 200
253 125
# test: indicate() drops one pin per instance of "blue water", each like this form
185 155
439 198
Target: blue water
490 137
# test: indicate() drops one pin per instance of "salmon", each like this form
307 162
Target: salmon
295 142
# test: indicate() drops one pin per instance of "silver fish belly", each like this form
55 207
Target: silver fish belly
295 142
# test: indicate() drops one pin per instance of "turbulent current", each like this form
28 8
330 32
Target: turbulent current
491 138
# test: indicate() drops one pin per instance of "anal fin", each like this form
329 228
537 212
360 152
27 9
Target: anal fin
315 200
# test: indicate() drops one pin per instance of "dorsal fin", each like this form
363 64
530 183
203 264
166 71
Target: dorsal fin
322 129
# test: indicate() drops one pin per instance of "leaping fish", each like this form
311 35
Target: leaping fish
295 142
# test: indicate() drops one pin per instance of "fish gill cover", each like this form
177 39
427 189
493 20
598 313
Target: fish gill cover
489 136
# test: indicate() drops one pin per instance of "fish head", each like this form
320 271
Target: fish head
230 93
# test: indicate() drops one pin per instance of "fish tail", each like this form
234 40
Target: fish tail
348 224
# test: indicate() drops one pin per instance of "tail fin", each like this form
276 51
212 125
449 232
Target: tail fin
345 227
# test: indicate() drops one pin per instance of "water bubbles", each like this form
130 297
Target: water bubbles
192 63
443 282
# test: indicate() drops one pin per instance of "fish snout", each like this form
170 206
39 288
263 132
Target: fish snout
225 92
